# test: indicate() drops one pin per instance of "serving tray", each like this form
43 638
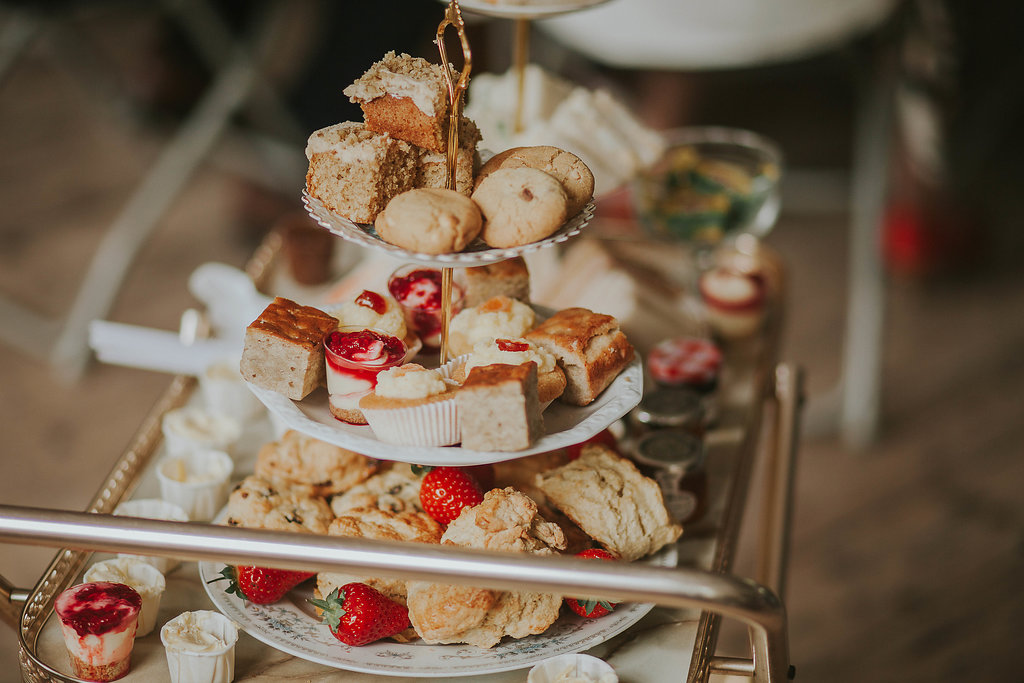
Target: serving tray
662 645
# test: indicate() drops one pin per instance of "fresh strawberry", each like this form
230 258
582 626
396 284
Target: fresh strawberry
260 585
603 437
445 491
358 614
592 608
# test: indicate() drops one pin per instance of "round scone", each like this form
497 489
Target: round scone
520 206
576 178
429 220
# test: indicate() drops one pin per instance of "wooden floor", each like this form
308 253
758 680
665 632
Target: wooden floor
907 557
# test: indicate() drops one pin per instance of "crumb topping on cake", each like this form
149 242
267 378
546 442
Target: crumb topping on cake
402 76
348 141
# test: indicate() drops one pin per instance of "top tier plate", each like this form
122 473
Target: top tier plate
476 254
527 9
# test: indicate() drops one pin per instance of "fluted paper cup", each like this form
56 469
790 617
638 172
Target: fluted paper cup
153 508
146 579
200 647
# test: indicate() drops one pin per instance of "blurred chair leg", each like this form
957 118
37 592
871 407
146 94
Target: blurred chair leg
861 384
122 241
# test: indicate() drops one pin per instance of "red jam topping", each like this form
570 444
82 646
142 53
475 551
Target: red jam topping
366 346
97 608
685 360
374 301
511 345
419 289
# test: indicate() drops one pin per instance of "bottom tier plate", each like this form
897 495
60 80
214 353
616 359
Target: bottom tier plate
292 626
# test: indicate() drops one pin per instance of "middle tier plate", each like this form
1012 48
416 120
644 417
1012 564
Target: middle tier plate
476 254
565 425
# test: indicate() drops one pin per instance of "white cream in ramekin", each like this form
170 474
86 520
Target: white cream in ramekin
197 481
573 668
146 579
190 428
226 393
200 647
153 508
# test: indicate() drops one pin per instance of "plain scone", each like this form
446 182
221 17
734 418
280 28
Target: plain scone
506 520
311 467
590 348
430 220
395 489
568 169
257 504
617 506
372 522
520 206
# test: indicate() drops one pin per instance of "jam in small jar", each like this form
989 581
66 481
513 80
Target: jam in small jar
418 291
692 363
355 356
675 460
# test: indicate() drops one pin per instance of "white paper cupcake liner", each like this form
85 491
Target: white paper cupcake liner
204 496
430 424
187 663
146 579
573 667
153 508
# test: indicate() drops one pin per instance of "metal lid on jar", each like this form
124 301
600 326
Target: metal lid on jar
670 407
670 450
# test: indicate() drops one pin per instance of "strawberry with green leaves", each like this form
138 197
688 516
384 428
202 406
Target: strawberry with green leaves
358 614
592 608
446 491
260 585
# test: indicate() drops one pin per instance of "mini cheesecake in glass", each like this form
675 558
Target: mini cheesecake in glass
418 291
98 621
355 356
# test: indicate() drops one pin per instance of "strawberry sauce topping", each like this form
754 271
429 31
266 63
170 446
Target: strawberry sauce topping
372 300
98 608
419 289
511 345
367 347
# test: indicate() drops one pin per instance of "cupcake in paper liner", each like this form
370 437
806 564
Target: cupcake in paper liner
413 406
146 579
200 647
153 508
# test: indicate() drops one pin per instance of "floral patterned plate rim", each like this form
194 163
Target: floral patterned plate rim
292 626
